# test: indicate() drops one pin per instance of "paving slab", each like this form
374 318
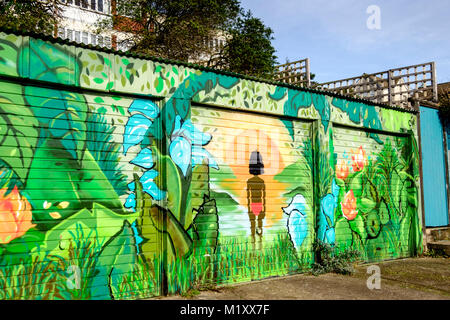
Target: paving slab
405 279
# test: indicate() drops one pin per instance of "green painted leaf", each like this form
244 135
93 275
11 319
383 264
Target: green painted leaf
108 62
398 192
373 224
366 205
296 183
8 58
99 100
18 130
206 224
116 260
198 188
357 225
121 110
355 183
110 85
59 186
159 84
86 79
384 213
99 223
62 114
180 241
340 183
344 235
51 62
21 249
174 193
384 246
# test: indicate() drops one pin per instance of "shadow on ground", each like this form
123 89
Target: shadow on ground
406 279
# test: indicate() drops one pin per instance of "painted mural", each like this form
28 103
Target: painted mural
125 178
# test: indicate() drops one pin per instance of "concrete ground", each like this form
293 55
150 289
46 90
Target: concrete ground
406 279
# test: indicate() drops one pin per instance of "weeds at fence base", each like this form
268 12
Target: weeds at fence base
331 260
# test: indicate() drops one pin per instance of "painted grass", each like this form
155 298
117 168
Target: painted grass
141 283
235 260
83 257
47 277
35 280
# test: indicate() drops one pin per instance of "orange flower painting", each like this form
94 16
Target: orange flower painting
15 215
359 160
348 206
342 170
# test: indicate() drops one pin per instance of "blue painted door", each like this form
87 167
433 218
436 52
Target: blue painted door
434 168
448 152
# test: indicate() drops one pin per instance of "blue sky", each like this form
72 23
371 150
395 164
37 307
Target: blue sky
335 36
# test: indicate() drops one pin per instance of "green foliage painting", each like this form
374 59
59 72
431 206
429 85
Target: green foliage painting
115 185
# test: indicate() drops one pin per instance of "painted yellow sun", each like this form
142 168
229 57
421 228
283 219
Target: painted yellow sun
235 137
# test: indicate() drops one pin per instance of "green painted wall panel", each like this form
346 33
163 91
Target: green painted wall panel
375 196
121 188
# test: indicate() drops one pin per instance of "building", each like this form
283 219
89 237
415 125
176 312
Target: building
79 24
79 18
444 88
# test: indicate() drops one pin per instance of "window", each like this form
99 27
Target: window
100 5
107 42
61 33
85 38
100 41
96 5
69 34
93 39
122 46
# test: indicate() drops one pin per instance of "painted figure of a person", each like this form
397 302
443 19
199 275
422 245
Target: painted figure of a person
256 194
